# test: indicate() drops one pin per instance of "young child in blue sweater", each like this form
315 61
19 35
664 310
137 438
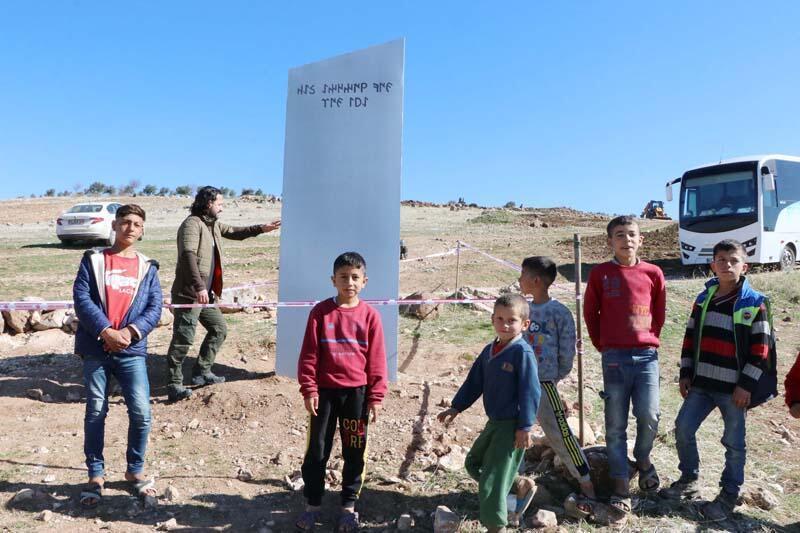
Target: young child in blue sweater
505 375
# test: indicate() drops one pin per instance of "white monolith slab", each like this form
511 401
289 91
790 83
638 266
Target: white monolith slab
341 186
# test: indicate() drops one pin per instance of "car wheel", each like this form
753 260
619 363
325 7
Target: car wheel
788 258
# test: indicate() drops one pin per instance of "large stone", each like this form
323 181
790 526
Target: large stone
589 438
544 519
16 321
453 461
40 321
171 493
445 520
759 497
420 311
71 323
405 522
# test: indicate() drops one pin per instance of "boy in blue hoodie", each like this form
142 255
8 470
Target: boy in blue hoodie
505 375
118 302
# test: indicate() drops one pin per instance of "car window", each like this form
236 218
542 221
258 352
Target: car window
112 208
86 208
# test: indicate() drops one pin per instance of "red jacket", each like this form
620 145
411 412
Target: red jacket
792 383
625 306
342 348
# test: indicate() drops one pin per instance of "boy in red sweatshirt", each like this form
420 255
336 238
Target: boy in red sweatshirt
624 309
342 376
792 385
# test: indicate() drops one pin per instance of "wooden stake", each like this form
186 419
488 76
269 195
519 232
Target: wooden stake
458 257
579 332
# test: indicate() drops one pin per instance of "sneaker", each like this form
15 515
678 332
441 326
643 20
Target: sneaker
176 393
684 488
207 379
721 508
348 522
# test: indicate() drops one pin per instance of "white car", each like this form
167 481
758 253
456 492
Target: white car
88 222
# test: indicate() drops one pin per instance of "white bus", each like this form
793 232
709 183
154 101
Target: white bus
755 200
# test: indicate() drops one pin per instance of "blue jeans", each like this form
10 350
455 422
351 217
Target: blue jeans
630 376
131 373
696 407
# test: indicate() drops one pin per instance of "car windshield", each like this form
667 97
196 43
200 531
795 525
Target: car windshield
730 193
86 208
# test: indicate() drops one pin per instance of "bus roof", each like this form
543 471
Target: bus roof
760 157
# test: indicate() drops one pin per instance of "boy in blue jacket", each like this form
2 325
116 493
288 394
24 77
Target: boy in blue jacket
118 303
505 374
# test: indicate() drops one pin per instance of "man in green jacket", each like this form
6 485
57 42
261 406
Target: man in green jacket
198 279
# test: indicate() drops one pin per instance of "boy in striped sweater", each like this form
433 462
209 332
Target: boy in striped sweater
724 353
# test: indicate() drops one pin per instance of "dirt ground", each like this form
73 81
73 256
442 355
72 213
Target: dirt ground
227 458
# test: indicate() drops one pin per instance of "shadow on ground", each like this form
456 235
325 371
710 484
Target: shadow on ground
59 377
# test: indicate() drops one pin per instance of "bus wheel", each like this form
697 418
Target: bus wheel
788 258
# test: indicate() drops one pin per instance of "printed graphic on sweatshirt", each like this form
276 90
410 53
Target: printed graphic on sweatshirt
538 333
121 280
340 342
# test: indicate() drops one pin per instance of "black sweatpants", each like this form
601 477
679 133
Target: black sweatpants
347 409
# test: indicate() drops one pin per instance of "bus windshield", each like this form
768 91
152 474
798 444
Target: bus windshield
714 200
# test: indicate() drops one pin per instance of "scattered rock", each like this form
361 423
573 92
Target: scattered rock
454 460
193 424
47 320
169 525
45 516
171 493
759 497
244 475
445 520
420 311
295 481
48 478
405 522
35 394
544 519
23 496
16 321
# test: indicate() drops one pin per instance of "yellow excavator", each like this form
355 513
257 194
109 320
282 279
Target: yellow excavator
655 209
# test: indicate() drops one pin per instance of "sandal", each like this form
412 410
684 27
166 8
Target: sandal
348 522
307 520
525 502
620 503
585 505
144 488
91 495
648 479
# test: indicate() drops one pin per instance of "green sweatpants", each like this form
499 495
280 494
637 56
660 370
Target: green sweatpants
493 462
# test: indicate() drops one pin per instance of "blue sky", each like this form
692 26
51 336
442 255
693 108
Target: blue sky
588 105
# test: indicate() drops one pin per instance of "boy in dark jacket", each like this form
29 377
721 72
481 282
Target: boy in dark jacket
505 375
725 352
118 302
